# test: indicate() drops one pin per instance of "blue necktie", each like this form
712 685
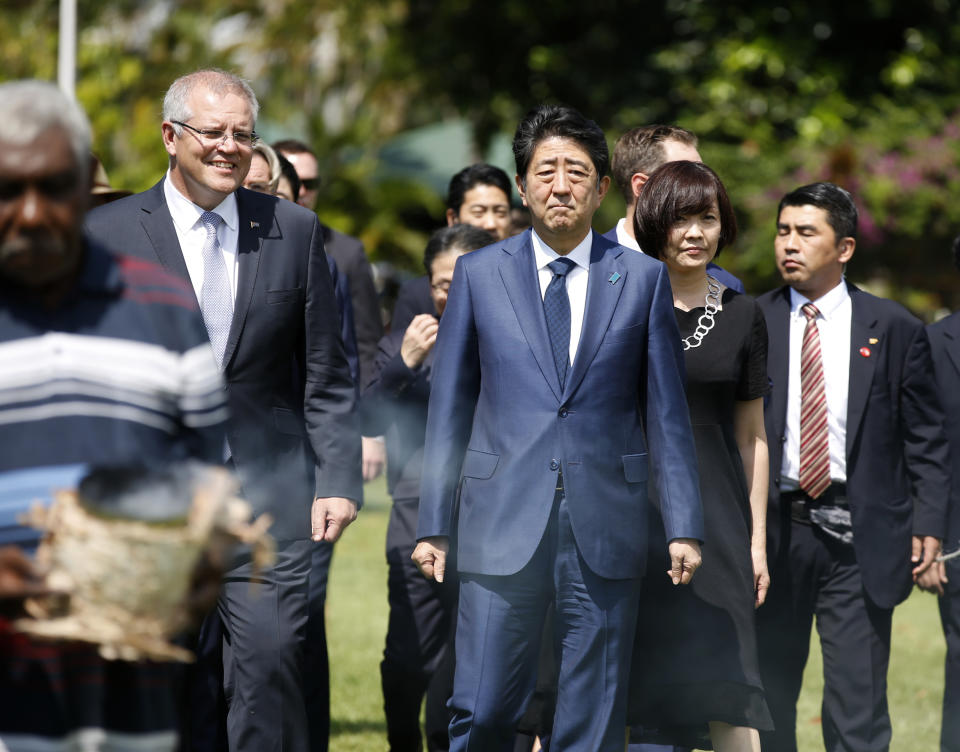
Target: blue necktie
556 309
216 300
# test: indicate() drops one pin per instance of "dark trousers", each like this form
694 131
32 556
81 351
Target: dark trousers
499 626
245 691
950 619
418 655
815 575
316 674
264 627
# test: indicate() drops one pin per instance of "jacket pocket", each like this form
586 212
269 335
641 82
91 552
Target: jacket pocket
635 468
627 334
478 464
279 297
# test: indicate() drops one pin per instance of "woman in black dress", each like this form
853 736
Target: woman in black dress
696 680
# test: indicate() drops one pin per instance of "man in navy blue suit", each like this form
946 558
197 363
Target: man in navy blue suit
557 387
858 484
639 152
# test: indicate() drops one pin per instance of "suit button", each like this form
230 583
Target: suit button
554 464
564 412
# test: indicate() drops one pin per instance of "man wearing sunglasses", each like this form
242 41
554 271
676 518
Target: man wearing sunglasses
259 271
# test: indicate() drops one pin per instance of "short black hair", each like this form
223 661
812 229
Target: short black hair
549 121
678 189
461 237
288 171
475 174
834 200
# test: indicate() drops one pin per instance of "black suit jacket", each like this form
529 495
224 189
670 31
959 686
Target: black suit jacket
352 261
945 346
395 406
413 298
293 432
896 453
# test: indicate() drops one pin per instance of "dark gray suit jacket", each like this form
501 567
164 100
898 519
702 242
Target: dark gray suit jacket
945 346
294 431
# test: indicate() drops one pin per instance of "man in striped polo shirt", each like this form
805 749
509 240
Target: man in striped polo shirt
104 361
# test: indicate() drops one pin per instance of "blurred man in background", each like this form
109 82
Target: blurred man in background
104 362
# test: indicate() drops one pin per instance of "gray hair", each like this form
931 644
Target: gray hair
175 106
29 108
267 152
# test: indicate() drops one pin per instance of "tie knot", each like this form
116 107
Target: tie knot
810 311
561 266
211 220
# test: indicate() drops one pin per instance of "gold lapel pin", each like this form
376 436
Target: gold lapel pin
873 340
254 225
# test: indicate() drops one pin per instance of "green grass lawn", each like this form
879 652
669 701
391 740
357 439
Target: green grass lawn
357 623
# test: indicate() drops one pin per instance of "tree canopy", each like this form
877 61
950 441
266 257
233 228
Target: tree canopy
866 95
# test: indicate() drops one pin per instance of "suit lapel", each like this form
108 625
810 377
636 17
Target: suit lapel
602 299
778 360
252 226
519 275
863 328
158 225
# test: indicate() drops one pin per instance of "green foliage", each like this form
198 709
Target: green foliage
866 95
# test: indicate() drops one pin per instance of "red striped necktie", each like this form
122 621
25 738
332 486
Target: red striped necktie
814 436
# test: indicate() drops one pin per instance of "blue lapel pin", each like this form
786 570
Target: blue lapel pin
614 278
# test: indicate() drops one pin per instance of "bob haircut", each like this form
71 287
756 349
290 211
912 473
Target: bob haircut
675 190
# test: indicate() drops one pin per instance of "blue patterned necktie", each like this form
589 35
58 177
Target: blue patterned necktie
556 309
216 300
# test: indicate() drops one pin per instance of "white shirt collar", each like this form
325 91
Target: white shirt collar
827 304
186 214
625 239
544 254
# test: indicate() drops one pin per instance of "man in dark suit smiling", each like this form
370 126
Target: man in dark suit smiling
259 271
858 484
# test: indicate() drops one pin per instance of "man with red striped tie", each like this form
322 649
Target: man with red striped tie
858 481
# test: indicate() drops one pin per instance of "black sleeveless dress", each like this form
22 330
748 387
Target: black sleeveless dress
695 655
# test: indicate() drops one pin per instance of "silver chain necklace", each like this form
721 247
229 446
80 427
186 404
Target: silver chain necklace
705 322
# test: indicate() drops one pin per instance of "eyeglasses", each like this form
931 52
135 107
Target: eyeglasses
240 138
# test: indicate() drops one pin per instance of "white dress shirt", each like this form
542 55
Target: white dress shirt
576 280
191 233
623 238
833 324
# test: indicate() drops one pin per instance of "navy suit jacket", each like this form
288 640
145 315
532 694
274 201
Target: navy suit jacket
721 274
945 347
499 418
896 453
347 251
293 431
